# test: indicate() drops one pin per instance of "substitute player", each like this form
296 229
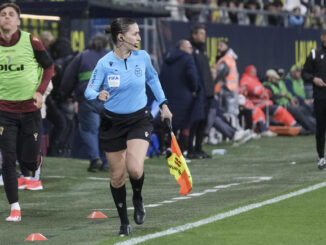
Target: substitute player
25 72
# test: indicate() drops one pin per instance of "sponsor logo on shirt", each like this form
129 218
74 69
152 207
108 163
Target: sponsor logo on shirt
11 67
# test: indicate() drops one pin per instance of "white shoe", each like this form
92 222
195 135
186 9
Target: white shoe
1 180
255 136
212 139
321 163
15 216
238 135
268 133
241 134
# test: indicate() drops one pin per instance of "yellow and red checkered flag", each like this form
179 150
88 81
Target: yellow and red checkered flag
178 166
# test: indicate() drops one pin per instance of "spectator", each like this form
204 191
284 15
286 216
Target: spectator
260 96
289 5
242 17
281 96
60 112
231 94
314 72
233 13
195 13
180 80
47 39
295 86
296 19
198 39
274 17
178 12
217 120
75 79
315 18
258 116
228 75
254 18
228 57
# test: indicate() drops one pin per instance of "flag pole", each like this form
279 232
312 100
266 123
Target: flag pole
169 124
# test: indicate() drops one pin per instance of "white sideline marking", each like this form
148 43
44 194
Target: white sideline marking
210 190
167 201
98 178
227 186
181 198
197 194
254 179
54 177
220 216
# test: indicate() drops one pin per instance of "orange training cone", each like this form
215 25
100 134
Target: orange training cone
97 215
36 237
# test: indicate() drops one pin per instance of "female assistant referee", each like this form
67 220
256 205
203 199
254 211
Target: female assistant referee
119 80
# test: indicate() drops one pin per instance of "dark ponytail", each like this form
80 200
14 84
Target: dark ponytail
119 25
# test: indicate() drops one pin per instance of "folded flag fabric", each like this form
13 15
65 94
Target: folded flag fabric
178 167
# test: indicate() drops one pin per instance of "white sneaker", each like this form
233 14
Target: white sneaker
241 134
1 180
321 163
254 135
15 216
212 137
268 133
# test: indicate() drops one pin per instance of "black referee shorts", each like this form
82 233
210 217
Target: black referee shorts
116 129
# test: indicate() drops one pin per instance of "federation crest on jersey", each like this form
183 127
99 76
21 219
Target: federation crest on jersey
138 72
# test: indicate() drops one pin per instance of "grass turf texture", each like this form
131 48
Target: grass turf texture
59 211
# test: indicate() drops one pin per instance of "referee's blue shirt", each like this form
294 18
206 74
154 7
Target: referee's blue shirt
125 79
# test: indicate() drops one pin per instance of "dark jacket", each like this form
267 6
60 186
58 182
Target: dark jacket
204 70
315 66
78 73
179 78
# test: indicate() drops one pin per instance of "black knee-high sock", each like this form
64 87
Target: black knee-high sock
119 197
137 186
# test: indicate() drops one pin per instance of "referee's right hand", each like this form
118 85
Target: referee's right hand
103 95
165 113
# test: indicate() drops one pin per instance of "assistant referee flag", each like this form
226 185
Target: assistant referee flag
178 167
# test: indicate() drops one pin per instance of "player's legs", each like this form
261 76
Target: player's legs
117 162
136 152
9 127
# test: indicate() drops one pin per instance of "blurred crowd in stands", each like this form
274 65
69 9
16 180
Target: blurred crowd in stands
286 13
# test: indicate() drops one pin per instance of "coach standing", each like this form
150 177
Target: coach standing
314 70
25 72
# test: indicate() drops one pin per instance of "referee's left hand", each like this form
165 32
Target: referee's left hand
165 113
38 100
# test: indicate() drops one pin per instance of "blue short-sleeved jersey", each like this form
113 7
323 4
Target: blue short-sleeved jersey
125 81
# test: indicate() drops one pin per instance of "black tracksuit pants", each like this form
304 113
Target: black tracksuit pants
20 137
320 113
